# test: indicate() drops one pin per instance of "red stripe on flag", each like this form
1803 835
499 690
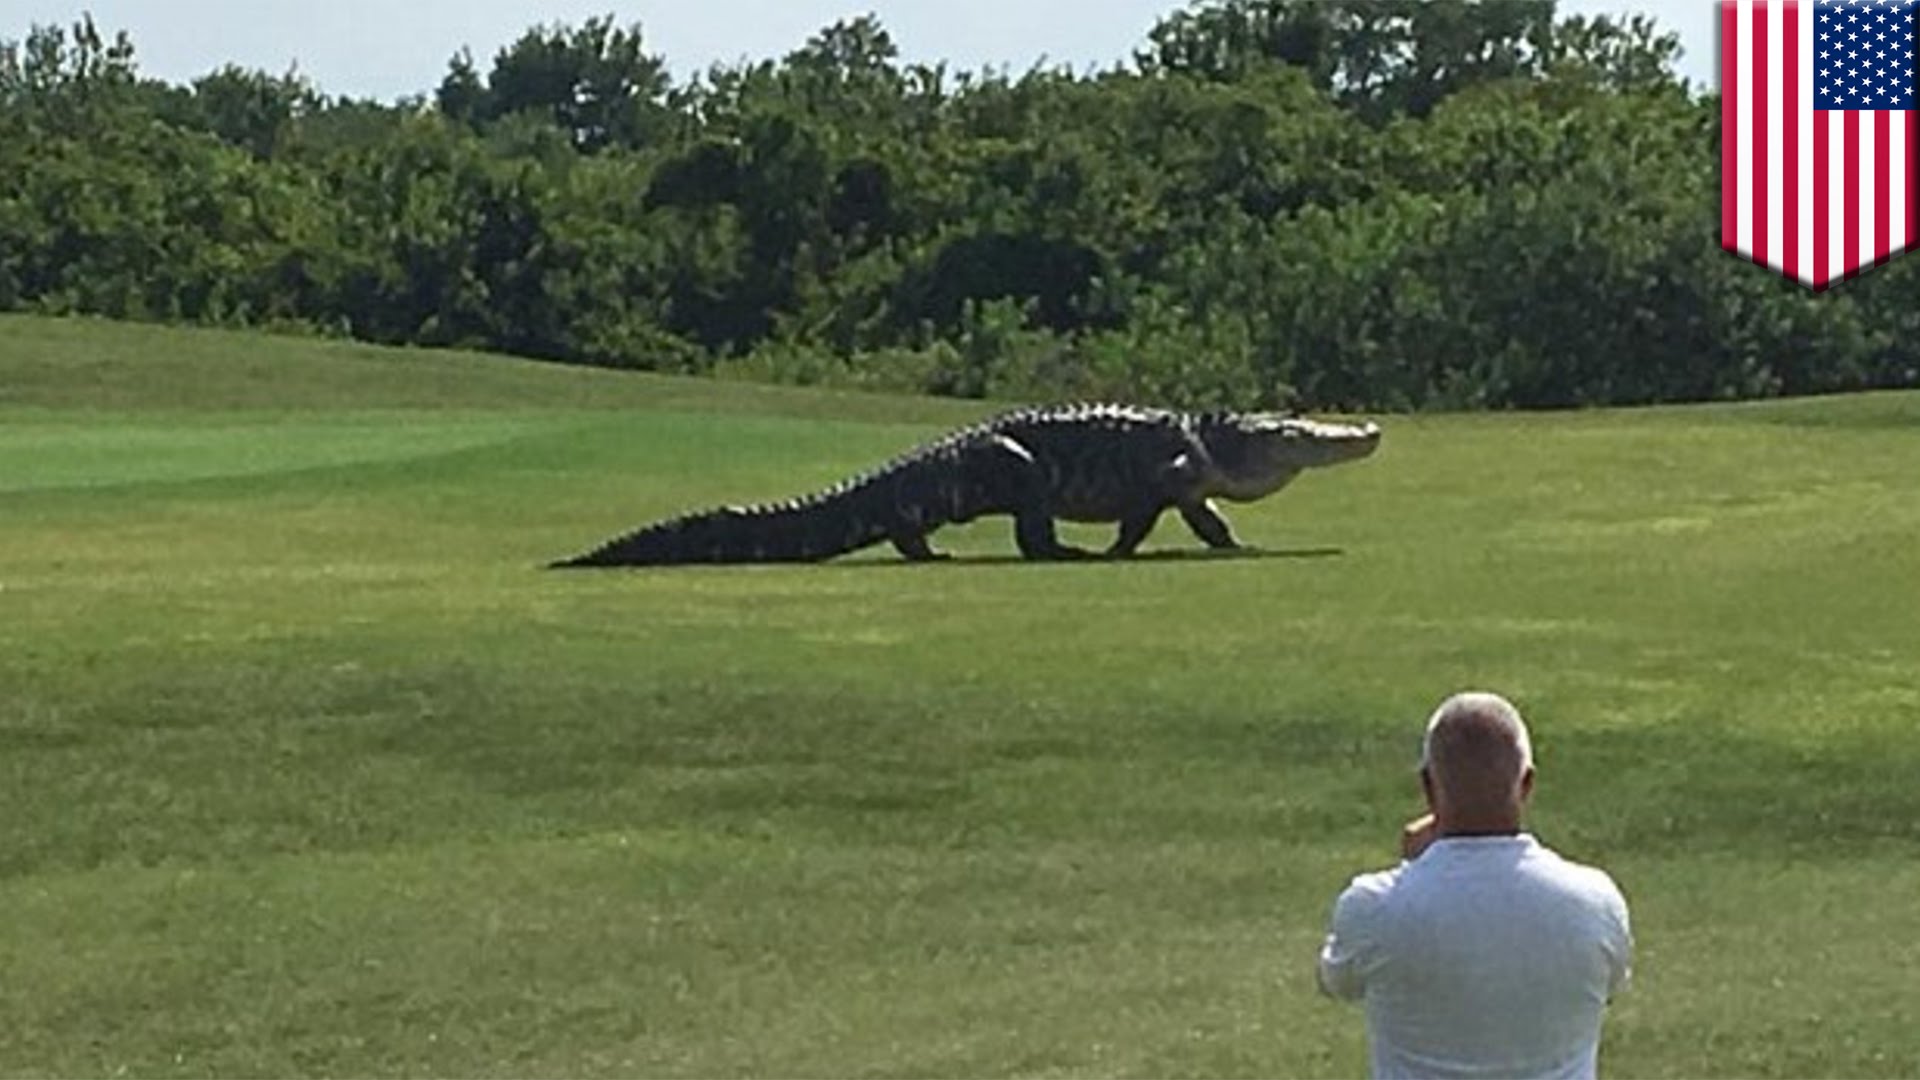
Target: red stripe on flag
1882 182
1760 76
1850 227
1820 204
1790 138
1729 126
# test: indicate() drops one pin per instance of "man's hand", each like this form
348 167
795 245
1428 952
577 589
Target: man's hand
1415 836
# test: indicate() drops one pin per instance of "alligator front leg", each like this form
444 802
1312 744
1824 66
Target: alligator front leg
1133 530
1207 524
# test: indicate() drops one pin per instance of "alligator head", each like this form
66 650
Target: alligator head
1256 454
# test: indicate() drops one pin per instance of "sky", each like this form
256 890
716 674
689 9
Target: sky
384 50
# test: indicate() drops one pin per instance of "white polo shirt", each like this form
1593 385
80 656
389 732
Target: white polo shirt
1487 956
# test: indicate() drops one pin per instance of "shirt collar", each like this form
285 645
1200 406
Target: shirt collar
1466 843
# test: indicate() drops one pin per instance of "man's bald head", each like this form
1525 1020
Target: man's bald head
1478 761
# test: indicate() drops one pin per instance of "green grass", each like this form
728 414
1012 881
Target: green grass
307 769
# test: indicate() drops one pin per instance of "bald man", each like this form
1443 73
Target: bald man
1483 953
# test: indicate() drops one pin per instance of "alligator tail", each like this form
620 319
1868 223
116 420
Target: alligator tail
800 530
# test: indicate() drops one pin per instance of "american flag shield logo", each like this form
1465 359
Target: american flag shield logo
1817 149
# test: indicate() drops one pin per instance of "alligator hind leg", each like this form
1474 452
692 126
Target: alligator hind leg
914 546
1133 530
1207 524
1033 532
1019 487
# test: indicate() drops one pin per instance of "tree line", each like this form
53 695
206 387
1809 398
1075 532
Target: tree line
1331 204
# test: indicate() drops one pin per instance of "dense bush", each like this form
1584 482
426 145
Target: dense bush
1378 204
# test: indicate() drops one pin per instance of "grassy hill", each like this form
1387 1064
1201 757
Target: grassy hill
309 769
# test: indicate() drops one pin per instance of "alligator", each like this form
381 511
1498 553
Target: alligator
1126 464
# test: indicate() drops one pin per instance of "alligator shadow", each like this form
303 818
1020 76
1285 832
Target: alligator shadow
884 562
1170 555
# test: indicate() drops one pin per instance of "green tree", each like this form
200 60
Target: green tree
1340 204
251 109
1402 57
596 82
